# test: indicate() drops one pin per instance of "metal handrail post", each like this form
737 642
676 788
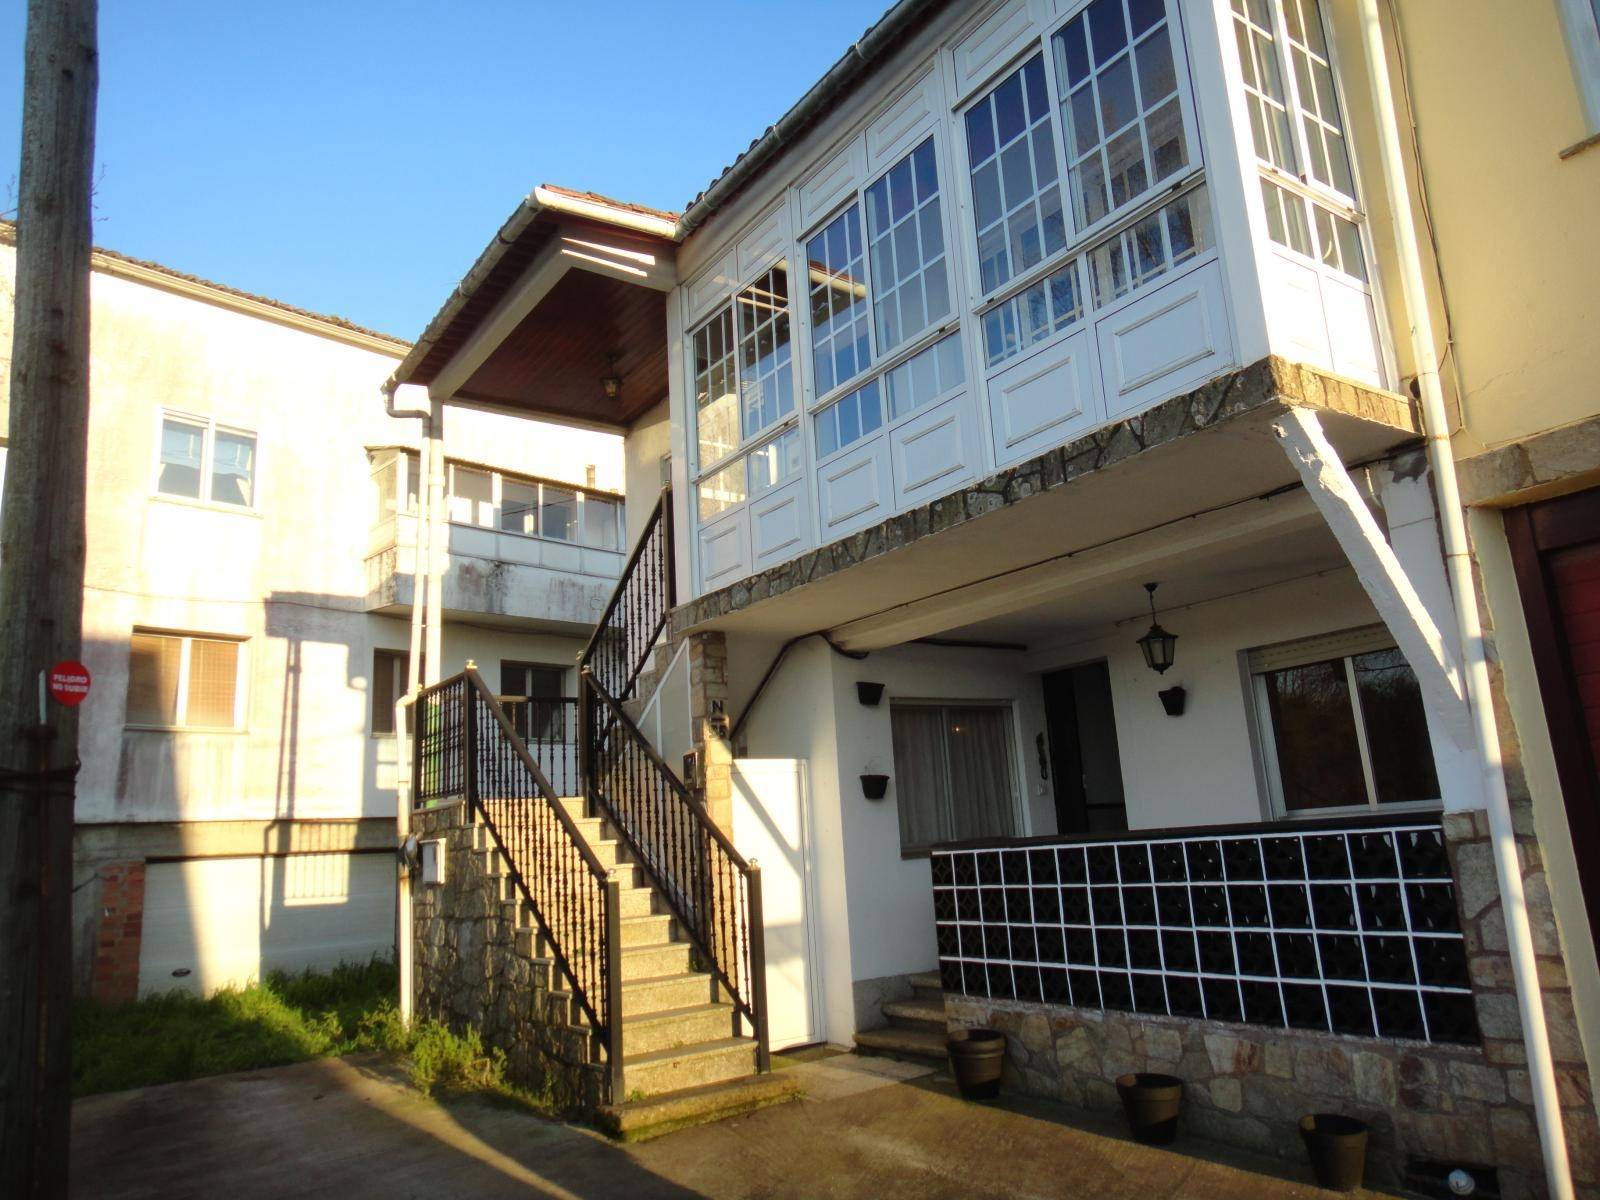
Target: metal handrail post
613 1001
758 971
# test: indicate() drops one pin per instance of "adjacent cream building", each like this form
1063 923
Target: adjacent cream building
251 519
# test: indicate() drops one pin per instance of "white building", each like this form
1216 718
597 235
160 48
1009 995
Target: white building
1025 305
251 522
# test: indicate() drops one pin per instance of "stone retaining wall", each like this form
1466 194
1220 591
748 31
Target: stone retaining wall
470 974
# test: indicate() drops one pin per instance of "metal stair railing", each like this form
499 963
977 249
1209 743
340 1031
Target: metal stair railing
467 748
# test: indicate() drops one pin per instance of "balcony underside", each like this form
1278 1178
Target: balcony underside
1196 460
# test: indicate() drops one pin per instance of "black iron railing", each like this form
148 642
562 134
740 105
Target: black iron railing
639 607
549 728
714 893
467 749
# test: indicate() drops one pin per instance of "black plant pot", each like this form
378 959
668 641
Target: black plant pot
1338 1148
1151 1103
869 693
874 787
977 1057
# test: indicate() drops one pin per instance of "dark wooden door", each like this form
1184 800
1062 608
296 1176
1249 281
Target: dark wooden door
1085 762
1555 548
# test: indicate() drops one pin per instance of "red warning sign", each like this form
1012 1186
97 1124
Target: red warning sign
69 683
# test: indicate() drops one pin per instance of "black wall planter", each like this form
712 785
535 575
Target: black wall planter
869 693
874 787
1172 701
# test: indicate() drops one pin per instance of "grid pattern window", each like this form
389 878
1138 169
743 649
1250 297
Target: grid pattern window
954 774
774 462
1346 929
183 681
200 460
716 398
849 420
1120 106
722 491
766 373
1268 105
1342 725
1046 308
1327 157
926 377
841 340
535 696
1016 195
905 240
391 676
1161 242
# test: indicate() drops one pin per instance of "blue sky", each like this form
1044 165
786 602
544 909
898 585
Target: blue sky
353 157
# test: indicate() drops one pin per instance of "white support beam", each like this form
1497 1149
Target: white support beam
1376 565
1061 578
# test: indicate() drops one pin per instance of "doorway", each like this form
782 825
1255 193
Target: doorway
1087 768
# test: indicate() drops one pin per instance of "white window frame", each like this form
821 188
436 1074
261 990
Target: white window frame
210 427
1259 662
1580 21
497 482
1014 755
186 641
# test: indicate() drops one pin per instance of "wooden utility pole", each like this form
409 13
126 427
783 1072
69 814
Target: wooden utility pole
41 592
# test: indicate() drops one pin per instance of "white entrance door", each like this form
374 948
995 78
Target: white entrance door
772 827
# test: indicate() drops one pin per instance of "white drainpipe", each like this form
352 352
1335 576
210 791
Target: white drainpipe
404 956
1519 934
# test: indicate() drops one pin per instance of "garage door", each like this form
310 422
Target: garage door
209 922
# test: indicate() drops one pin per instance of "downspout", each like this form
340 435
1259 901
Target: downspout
404 955
1458 562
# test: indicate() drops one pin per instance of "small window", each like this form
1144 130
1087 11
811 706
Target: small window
471 500
766 374
183 681
200 461
535 694
391 677
601 524
1342 724
558 513
519 506
716 386
849 420
954 774
841 340
905 239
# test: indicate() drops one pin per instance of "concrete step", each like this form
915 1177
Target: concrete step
637 902
659 1071
641 997
917 1045
639 1120
653 961
649 930
677 1027
926 981
916 1013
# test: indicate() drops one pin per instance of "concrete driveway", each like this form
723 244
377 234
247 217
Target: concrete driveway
869 1128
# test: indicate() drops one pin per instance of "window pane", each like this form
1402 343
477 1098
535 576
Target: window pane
1016 199
153 679
182 447
840 340
558 514
1397 730
849 420
921 776
1330 163
1286 218
722 491
391 670
1161 242
385 481
413 481
982 797
213 672
925 376
519 506
778 460
765 369
600 523
233 468
1265 97
1121 114
716 405
1314 731
1047 307
471 498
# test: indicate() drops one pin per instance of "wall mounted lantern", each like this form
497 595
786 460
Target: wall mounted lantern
1159 646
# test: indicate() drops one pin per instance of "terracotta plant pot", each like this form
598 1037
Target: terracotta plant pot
1151 1103
1338 1148
977 1056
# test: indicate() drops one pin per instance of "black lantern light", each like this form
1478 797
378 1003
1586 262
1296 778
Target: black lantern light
1159 646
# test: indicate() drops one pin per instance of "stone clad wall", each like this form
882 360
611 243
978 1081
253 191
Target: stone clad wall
1247 1086
470 972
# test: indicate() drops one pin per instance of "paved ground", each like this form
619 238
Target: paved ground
869 1128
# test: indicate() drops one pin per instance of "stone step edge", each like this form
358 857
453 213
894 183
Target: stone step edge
674 1054
640 1120
921 1044
919 1012
926 981
669 1015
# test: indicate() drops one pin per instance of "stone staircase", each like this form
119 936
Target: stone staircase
677 1038
915 1025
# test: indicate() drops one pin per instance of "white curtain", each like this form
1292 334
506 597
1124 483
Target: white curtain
953 773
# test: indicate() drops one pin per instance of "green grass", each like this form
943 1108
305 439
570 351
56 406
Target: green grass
283 1019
